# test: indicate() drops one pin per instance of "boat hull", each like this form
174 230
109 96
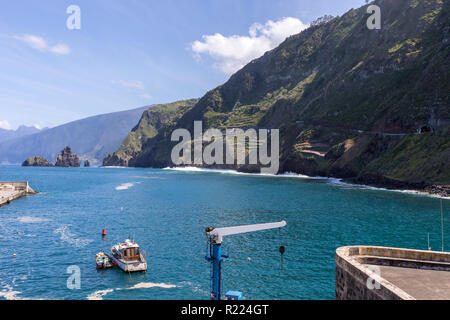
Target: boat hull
129 266
103 261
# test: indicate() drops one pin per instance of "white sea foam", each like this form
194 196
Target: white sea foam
298 175
195 288
8 293
114 167
98 295
221 171
22 278
124 186
329 180
146 177
27 219
196 169
145 285
70 238
230 171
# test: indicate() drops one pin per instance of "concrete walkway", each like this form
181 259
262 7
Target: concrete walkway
419 283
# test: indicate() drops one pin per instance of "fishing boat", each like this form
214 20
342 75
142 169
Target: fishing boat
103 261
128 256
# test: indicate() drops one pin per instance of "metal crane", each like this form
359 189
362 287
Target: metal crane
215 238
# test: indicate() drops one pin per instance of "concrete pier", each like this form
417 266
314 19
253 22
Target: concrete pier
13 190
379 273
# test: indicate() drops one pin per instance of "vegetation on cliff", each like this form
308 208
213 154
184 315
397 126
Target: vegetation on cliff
349 101
152 120
37 161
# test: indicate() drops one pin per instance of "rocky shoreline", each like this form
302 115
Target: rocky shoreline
376 181
379 181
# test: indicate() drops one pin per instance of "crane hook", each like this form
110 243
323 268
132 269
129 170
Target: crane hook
282 250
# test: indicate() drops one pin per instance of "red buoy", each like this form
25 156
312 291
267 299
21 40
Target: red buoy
104 232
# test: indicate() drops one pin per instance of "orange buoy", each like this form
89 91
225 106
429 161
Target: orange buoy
104 232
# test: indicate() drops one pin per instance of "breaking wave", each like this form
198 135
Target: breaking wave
98 295
124 186
145 285
27 219
329 180
8 293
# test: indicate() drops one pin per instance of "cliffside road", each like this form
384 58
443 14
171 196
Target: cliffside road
384 134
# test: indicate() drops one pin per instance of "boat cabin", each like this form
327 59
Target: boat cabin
130 254
129 251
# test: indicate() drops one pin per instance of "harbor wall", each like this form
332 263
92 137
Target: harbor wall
354 275
13 190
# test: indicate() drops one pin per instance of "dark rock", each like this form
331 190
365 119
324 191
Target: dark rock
37 161
443 191
87 163
67 159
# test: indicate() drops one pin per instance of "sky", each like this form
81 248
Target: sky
128 54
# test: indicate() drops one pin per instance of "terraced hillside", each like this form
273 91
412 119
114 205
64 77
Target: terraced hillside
349 102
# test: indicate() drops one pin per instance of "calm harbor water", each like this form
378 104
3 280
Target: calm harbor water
166 211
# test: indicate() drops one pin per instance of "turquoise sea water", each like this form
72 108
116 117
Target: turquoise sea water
167 212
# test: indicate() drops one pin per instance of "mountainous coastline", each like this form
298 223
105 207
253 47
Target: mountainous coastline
21 131
371 106
152 120
91 138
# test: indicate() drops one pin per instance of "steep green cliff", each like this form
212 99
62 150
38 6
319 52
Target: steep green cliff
152 120
348 101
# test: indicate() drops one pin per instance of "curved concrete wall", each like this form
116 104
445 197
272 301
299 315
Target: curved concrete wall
355 276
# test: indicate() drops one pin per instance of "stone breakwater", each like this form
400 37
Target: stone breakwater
13 190
379 273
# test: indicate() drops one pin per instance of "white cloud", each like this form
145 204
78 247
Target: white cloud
60 49
5 125
136 84
146 96
234 52
42 45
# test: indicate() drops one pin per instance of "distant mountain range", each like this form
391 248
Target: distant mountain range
91 138
20 132
152 120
